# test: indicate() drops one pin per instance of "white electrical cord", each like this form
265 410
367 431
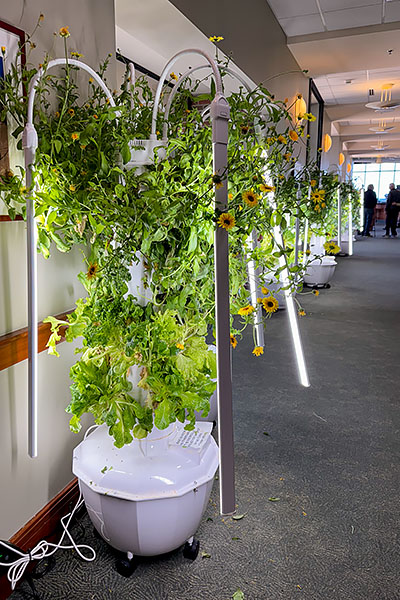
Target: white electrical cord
43 549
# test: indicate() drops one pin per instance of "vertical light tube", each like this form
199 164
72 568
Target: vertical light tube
339 219
254 282
297 226
219 111
305 242
30 144
292 314
350 229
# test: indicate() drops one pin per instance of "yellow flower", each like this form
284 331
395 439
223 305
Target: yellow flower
216 38
250 197
227 221
293 135
180 346
246 310
230 196
299 96
302 313
281 177
287 156
95 117
331 248
258 350
75 136
323 205
173 76
313 183
64 32
270 304
309 117
76 55
92 271
318 195
41 17
71 111
308 252
57 114
91 79
270 140
259 300
244 128
315 292
3 49
72 188
265 290
282 139
233 341
267 188
217 181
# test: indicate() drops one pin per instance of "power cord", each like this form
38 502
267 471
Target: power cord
44 549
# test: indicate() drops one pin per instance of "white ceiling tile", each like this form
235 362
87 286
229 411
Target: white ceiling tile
353 17
284 9
327 5
392 12
302 25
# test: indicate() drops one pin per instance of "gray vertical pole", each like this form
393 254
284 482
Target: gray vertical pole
254 282
30 145
339 219
219 111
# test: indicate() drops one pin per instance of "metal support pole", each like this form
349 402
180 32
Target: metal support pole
220 119
305 242
350 229
297 227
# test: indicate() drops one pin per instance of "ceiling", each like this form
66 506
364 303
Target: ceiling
351 48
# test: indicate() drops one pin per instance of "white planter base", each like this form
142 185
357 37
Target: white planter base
148 497
320 272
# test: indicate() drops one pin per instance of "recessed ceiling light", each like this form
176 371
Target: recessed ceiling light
381 129
385 105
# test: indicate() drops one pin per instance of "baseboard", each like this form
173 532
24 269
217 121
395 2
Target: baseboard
44 525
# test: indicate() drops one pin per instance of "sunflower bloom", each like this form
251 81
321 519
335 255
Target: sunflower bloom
258 350
75 136
267 188
282 139
302 313
217 181
250 197
246 310
293 135
287 156
313 183
72 188
92 271
173 76
180 346
71 111
233 341
331 248
230 196
227 221
270 304
315 292
64 32
265 290
3 49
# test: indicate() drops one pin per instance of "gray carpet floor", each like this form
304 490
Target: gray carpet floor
331 457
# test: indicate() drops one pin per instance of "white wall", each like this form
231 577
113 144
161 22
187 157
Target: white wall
28 484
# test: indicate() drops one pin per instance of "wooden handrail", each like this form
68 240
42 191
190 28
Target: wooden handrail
14 345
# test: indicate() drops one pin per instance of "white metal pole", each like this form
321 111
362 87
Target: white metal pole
254 282
339 219
297 226
30 144
350 229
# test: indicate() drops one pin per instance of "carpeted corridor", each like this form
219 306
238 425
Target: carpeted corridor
328 454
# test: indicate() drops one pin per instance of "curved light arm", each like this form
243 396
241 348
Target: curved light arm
168 66
30 144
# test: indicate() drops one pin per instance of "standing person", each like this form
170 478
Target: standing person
392 211
369 208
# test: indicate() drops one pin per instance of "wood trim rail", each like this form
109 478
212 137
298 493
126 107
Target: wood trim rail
44 525
14 345
6 218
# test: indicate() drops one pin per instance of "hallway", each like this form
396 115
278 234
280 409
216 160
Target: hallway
328 455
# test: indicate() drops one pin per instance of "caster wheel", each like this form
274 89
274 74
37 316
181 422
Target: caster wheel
328 286
191 551
125 567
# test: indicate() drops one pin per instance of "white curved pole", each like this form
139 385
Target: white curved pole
219 111
30 144
168 66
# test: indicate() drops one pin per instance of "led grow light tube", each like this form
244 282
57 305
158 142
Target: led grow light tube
339 219
30 144
219 112
350 229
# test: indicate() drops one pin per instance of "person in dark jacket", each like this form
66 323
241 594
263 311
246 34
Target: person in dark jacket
369 208
392 211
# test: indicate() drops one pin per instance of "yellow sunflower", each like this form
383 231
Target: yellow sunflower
265 290
227 221
71 111
313 183
331 248
258 350
315 292
270 304
293 135
267 188
173 76
217 181
75 136
250 197
282 139
92 271
233 341
180 346
246 310
302 313
64 32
